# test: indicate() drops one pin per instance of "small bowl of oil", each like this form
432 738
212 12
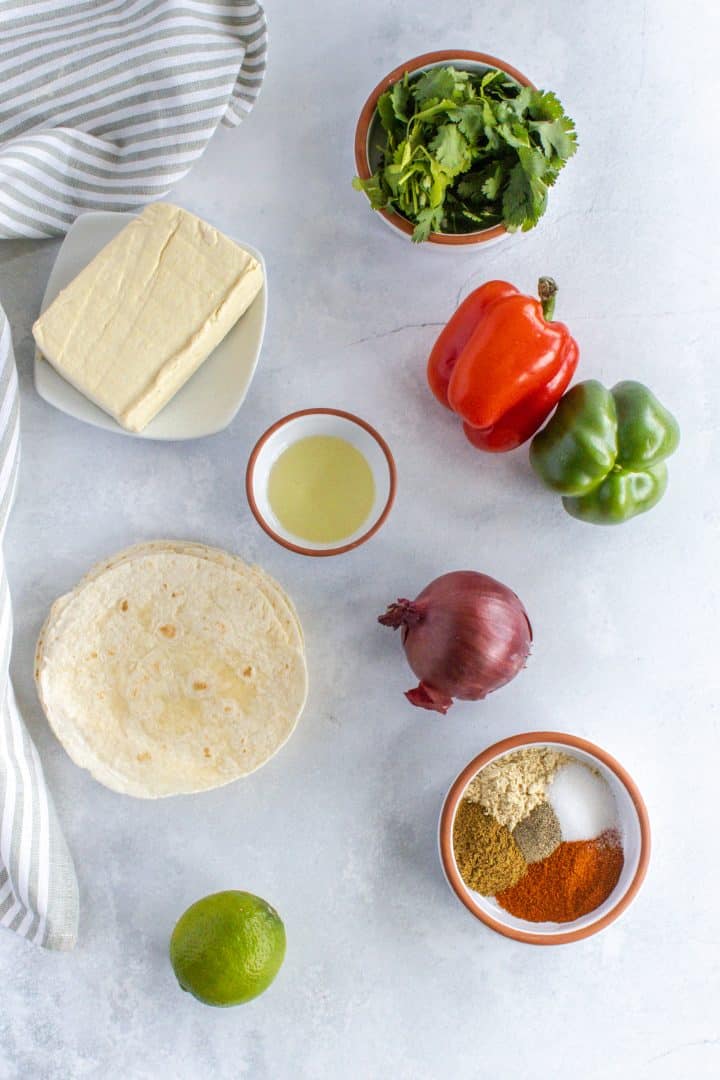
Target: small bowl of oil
321 481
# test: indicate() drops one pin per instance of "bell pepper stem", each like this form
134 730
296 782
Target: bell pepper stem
547 291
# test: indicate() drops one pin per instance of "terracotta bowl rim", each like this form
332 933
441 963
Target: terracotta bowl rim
574 742
362 163
300 549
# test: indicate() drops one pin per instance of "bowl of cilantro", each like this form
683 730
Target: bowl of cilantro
458 148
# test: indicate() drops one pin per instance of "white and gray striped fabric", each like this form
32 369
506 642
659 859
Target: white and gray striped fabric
104 105
38 887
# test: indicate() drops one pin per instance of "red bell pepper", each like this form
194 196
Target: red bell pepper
501 364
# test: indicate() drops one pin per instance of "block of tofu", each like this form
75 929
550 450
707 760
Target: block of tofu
141 318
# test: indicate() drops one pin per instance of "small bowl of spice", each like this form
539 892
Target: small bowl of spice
321 481
545 838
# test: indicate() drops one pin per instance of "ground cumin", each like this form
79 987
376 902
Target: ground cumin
573 881
487 857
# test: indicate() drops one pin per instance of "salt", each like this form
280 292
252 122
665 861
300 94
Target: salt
582 801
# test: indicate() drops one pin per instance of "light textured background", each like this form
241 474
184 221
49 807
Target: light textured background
386 975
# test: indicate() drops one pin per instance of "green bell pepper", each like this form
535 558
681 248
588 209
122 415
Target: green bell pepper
604 451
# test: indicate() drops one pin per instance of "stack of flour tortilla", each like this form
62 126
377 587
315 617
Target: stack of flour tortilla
172 668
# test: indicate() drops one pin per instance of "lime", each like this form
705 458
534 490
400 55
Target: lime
227 948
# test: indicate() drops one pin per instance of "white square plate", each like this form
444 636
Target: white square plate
208 401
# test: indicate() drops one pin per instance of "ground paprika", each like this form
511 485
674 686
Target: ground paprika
571 882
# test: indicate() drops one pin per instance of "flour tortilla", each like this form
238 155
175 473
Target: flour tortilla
171 671
279 600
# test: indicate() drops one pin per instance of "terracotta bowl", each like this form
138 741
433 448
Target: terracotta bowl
368 134
634 826
299 425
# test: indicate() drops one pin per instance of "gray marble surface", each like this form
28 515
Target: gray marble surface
386 975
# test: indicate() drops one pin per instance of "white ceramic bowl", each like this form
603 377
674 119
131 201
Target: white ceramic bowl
300 425
633 824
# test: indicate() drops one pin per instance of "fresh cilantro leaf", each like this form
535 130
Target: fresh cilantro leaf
517 199
544 105
514 134
532 161
524 200
427 221
470 119
392 175
488 114
484 185
387 113
373 189
401 100
439 83
494 183
504 112
557 137
521 104
493 81
493 139
450 147
405 154
440 181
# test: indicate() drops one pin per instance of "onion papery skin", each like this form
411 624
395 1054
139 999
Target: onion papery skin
464 636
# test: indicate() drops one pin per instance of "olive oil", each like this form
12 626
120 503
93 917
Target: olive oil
321 488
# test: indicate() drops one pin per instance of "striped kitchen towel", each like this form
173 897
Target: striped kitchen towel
38 887
105 104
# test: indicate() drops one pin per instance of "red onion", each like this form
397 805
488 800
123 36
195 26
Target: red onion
464 636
